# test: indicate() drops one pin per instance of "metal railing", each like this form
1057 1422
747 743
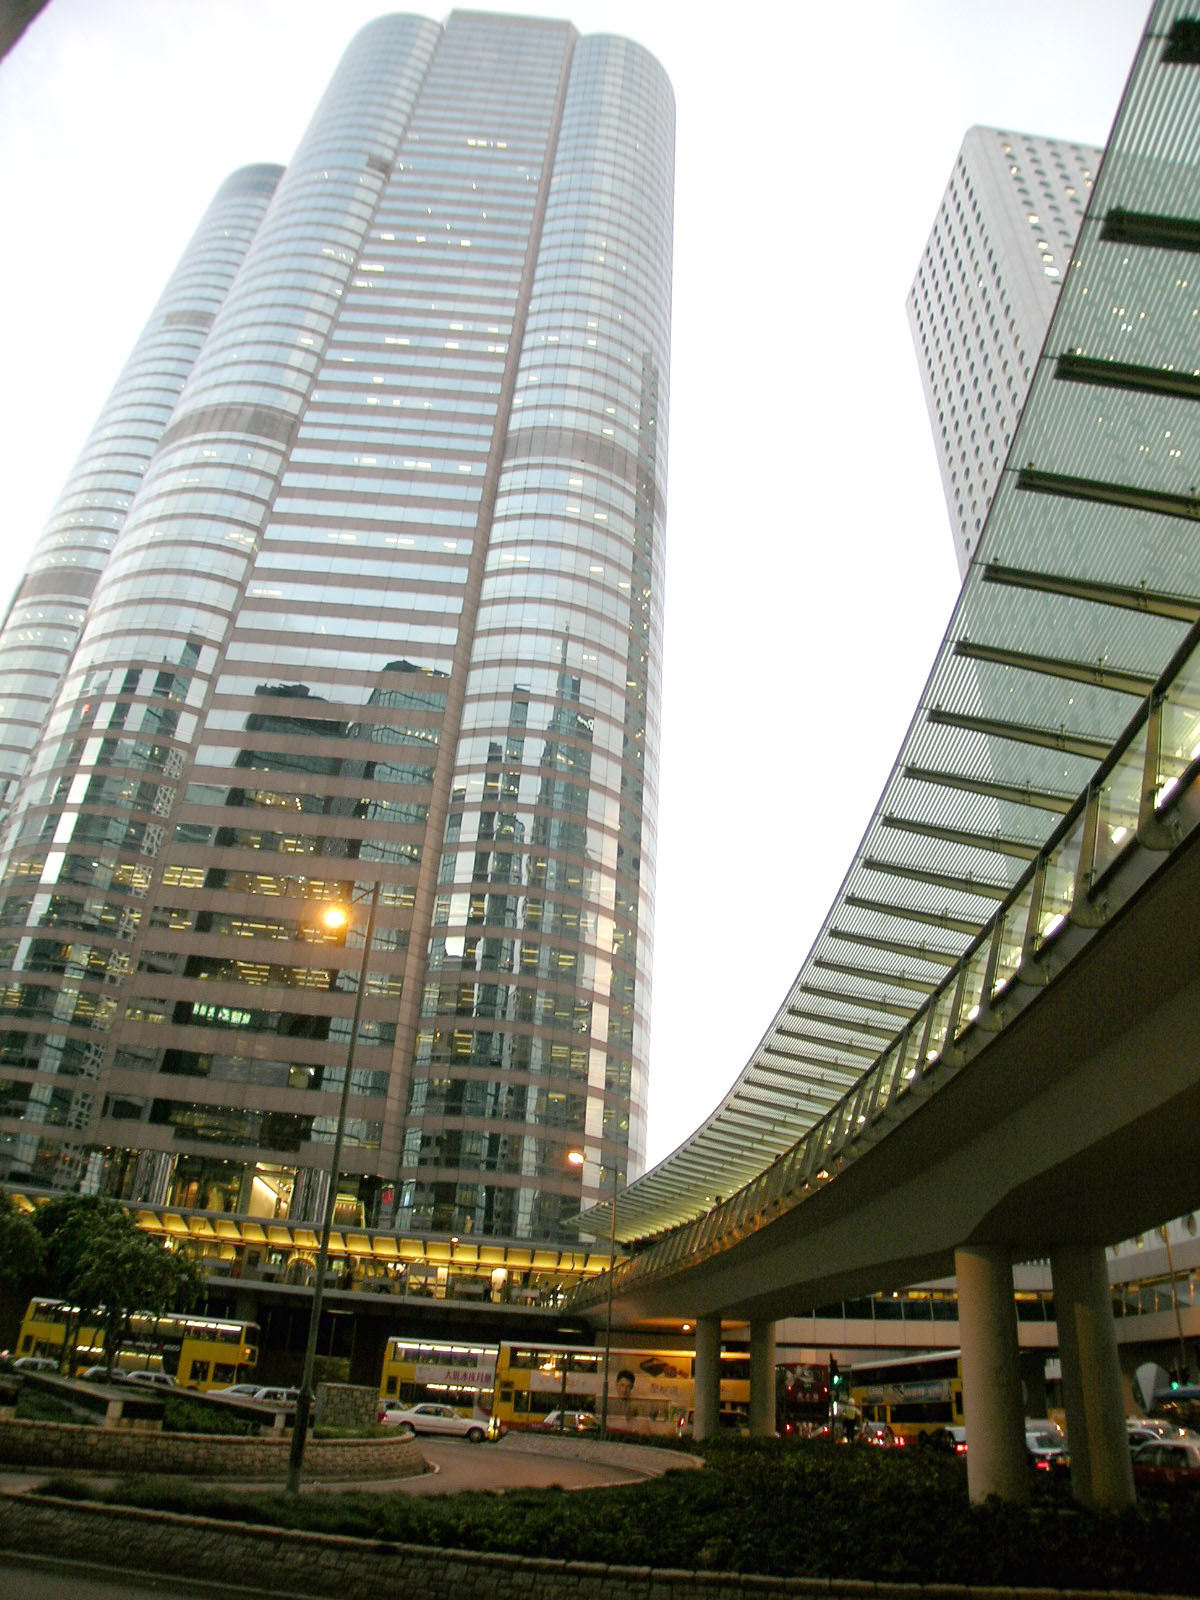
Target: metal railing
1128 802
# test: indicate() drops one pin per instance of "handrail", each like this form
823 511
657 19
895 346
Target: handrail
1060 886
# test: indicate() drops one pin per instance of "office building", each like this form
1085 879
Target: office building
982 301
363 605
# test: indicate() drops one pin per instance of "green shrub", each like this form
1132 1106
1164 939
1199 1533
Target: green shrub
191 1416
809 1510
42 1405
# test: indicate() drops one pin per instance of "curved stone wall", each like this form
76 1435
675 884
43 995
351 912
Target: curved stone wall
74 1447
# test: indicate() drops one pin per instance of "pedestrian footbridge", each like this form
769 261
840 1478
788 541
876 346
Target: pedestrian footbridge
989 1052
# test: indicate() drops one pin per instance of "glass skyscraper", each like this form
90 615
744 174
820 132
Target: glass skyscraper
358 582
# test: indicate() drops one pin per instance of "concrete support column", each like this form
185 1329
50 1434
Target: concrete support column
992 1404
707 1382
762 1379
1101 1474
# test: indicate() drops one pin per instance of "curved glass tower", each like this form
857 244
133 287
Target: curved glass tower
41 629
383 617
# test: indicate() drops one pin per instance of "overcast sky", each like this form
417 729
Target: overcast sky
810 564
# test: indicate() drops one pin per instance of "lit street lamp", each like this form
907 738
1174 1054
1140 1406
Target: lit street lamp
334 918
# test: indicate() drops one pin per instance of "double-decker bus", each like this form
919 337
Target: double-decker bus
520 1384
912 1394
649 1391
198 1352
458 1375
801 1399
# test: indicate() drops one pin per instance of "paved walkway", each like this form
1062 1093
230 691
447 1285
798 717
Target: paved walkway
519 1461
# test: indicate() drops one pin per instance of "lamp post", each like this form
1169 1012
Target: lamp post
335 917
575 1157
1183 1355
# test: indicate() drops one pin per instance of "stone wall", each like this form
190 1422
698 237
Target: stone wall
251 1558
75 1447
346 1405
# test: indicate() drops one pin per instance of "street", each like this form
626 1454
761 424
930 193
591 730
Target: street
459 1465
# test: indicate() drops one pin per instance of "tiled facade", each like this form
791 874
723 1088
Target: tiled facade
383 607
982 301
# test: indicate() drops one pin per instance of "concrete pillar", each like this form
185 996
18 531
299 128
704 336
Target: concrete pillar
706 1396
992 1406
762 1379
1101 1474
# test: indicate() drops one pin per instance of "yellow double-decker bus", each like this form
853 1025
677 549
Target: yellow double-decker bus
912 1394
650 1392
198 1352
458 1375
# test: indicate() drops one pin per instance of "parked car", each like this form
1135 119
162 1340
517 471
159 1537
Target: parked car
1147 1428
1046 1425
1046 1449
878 1434
1141 1436
1167 1464
429 1417
35 1364
100 1374
570 1422
276 1396
150 1380
243 1391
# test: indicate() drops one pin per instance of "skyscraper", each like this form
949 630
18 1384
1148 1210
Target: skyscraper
358 585
982 301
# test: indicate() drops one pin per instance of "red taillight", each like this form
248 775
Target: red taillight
960 1449
1042 1466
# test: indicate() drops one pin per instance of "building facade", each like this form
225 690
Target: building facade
370 609
982 301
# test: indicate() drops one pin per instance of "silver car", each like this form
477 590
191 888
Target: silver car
429 1417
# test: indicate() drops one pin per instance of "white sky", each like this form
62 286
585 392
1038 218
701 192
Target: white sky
810 564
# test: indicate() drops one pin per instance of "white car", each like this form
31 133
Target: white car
428 1417
274 1396
150 1380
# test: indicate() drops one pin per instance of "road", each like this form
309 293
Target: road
458 1465
47 1579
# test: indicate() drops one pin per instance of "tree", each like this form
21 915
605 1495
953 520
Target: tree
101 1261
21 1253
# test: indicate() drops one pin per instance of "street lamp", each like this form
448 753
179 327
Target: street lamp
335 919
575 1157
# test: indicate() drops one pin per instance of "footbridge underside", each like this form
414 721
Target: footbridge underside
1075 1123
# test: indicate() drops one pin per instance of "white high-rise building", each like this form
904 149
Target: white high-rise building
355 596
982 301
